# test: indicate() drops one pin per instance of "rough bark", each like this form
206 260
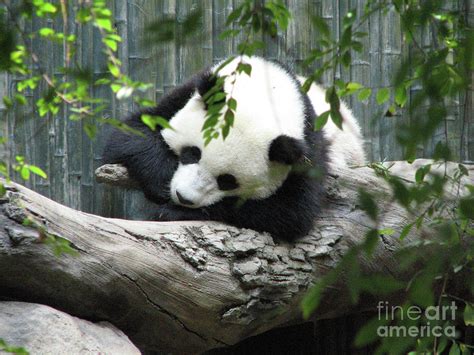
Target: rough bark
186 287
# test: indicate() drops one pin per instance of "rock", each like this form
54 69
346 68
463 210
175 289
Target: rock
41 329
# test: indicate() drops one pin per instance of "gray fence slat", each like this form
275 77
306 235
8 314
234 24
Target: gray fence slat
61 148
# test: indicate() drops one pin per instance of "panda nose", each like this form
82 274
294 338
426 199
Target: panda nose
183 200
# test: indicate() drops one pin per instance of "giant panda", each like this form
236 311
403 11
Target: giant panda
266 175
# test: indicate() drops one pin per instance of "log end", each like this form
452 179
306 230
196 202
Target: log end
116 175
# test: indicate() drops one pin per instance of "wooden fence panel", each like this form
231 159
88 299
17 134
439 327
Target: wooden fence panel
62 149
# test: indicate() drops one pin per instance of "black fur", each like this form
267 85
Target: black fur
207 82
190 155
286 150
148 159
227 182
287 214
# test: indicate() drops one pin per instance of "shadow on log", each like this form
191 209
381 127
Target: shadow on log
187 287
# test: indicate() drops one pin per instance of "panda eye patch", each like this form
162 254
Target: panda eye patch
190 155
227 182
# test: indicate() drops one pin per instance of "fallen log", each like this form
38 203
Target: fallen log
186 287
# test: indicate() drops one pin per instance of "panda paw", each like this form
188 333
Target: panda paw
167 213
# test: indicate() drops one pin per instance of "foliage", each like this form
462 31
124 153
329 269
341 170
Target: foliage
71 93
252 18
442 71
4 347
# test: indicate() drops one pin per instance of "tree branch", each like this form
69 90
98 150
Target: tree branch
186 287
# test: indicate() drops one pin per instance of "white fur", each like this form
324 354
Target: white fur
268 105
346 145
203 191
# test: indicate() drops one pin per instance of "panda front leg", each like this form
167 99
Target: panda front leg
170 212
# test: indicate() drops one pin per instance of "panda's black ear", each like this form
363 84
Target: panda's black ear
286 150
205 82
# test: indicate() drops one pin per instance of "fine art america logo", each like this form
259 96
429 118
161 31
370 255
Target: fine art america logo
432 315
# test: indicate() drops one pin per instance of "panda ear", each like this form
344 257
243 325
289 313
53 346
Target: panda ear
205 82
286 150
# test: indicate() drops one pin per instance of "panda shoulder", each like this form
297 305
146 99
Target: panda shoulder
346 145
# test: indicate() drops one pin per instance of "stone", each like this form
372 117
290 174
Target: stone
41 329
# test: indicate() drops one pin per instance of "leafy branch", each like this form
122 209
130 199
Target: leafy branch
252 18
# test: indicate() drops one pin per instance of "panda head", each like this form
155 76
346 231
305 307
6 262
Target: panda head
254 160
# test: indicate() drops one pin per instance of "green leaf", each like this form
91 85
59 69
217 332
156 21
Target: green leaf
46 31
4 347
336 117
232 104
244 67
228 33
218 96
91 130
8 102
3 190
144 102
60 245
43 8
321 26
38 171
377 284
110 43
386 231
346 59
406 230
466 207
469 315
234 15
421 292
442 152
102 81
401 96
225 131
349 18
421 173
368 333
454 350
357 46
364 94
153 121
312 299
332 98
367 203
353 86
47 7
114 37
84 15
25 172
229 118
400 191
392 110
115 87
360 34
104 23
371 241
383 95
346 38
21 99
114 70
321 120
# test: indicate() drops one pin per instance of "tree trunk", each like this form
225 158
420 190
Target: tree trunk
186 287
